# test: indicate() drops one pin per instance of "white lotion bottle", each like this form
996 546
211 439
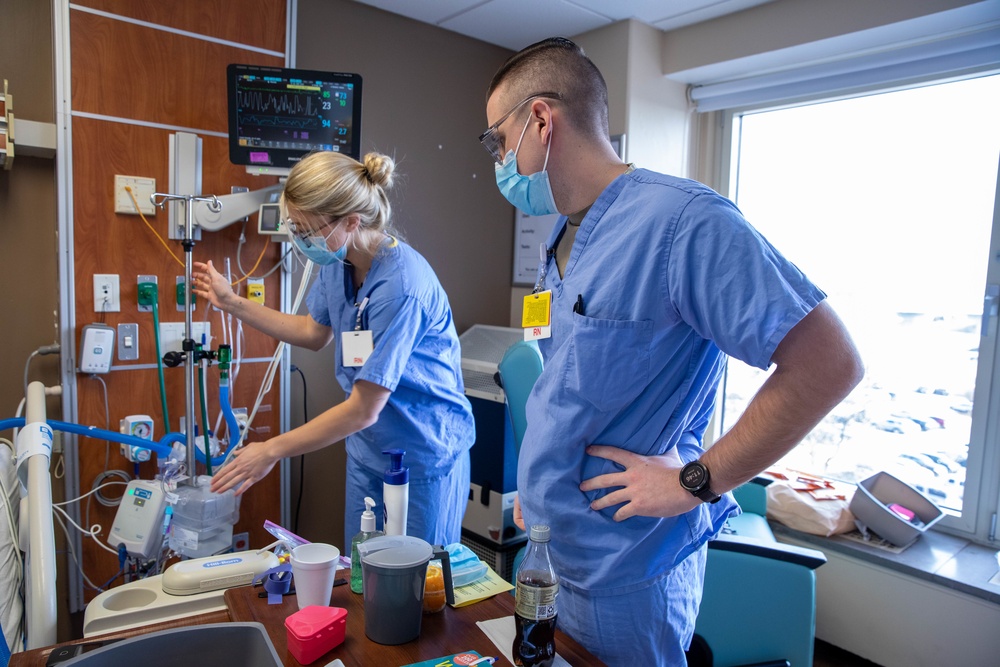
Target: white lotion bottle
395 493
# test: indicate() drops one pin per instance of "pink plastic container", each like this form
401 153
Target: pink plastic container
315 630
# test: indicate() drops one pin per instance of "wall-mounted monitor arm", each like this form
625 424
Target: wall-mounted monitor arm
234 207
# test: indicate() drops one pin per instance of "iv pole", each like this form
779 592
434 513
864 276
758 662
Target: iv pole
206 213
214 205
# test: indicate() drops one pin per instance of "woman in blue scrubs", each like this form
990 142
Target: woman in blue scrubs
397 350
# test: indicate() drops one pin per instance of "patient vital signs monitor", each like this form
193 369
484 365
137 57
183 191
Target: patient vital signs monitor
278 115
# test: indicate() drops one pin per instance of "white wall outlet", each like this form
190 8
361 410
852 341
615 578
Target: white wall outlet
141 187
172 335
107 293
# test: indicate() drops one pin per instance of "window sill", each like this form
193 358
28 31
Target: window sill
941 559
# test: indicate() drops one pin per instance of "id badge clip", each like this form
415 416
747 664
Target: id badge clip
536 315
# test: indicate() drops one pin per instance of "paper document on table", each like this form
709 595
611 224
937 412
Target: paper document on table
501 632
485 587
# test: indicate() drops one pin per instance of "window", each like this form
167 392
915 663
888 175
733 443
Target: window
886 202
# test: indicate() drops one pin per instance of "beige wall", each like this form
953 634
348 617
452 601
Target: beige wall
28 308
28 252
424 104
786 24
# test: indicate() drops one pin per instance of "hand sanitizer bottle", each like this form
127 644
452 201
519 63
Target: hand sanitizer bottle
367 532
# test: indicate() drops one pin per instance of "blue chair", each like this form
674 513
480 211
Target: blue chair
516 374
758 606
759 600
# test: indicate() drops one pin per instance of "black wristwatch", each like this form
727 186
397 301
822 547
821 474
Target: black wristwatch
696 478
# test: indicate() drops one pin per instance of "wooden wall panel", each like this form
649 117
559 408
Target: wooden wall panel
130 71
177 81
259 23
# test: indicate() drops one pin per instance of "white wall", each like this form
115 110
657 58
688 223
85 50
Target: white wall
901 621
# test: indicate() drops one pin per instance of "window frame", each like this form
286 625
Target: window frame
981 501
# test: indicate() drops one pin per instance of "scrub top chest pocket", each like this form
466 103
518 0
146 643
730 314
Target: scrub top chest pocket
608 361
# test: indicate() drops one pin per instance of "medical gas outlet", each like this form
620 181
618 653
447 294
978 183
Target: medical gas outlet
255 290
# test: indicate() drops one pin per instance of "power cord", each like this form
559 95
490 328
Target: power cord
42 351
302 457
100 482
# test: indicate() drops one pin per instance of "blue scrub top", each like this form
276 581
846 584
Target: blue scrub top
416 356
672 279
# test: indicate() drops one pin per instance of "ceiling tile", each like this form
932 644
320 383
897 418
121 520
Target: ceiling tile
432 12
696 11
515 24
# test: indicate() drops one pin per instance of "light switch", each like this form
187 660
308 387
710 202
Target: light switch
128 342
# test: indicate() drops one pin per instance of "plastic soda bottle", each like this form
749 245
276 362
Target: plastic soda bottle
535 604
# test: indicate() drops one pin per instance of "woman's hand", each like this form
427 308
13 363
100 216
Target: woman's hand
212 285
248 465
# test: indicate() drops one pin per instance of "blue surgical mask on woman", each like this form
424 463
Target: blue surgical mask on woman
315 249
531 194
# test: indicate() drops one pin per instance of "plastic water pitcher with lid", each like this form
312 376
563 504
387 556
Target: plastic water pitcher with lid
394 568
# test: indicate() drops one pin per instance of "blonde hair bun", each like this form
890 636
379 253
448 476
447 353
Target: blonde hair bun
379 169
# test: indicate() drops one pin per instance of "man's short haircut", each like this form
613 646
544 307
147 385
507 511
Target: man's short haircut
558 65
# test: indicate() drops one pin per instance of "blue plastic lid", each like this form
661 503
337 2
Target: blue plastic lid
396 474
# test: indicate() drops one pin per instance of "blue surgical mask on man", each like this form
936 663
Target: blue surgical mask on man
531 194
315 249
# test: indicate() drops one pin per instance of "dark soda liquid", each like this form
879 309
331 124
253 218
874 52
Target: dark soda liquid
534 642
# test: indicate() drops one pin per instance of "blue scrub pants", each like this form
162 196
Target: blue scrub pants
436 507
650 626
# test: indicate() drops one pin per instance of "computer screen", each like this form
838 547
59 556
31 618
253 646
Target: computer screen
278 115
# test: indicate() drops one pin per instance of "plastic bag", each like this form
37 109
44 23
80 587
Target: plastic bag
800 511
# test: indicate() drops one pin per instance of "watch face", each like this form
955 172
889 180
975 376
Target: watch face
693 476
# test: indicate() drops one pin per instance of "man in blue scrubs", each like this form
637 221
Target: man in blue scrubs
654 280
398 355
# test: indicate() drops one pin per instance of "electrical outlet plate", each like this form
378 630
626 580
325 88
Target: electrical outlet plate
142 188
172 335
107 293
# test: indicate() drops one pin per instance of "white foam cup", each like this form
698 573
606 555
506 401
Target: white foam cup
314 566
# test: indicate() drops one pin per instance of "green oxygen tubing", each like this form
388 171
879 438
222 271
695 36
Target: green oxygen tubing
204 409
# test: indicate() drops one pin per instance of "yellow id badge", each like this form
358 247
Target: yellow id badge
357 347
536 317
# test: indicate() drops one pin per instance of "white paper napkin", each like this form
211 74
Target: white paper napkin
501 632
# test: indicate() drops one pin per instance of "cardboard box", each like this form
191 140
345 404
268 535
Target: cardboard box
871 502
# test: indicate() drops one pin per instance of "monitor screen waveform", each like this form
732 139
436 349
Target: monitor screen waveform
278 115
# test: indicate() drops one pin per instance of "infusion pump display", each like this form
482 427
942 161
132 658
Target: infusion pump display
278 115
